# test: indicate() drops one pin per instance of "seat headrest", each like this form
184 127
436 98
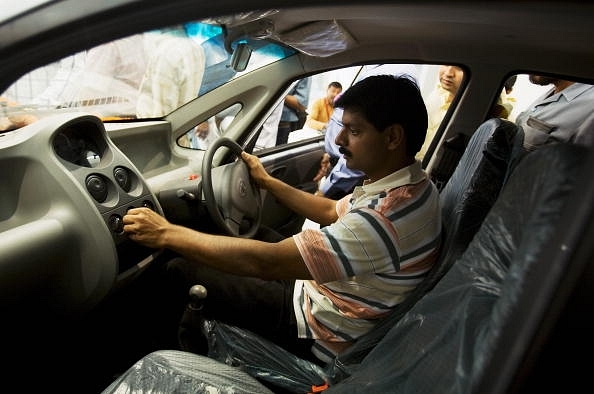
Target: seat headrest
479 175
475 184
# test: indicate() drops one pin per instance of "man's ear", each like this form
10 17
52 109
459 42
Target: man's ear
396 136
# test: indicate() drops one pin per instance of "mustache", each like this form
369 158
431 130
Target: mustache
344 151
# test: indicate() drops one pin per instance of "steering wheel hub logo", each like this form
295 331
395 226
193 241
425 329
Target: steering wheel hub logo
242 188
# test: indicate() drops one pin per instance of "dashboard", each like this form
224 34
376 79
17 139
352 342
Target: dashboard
61 226
109 178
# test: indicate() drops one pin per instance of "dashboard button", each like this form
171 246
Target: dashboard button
122 177
97 187
116 224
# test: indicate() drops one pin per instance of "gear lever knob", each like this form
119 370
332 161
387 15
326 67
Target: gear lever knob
197 296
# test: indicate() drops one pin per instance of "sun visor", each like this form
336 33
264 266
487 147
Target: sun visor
321 38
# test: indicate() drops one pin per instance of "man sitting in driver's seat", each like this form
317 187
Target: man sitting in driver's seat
318 291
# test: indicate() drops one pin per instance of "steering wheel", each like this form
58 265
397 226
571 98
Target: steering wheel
232 197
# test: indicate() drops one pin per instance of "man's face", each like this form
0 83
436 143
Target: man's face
541 80
363 147
450 78
331 94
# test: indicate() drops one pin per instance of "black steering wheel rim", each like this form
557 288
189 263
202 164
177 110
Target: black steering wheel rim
237 200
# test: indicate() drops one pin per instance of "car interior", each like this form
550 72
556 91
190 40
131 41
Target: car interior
504 309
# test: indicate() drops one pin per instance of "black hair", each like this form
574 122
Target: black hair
509 83
335 84
385 100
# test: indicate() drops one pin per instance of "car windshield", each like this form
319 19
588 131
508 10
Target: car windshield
143 76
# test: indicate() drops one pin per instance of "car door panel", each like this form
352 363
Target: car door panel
295 164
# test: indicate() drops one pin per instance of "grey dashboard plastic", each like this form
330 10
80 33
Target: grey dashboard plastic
64 189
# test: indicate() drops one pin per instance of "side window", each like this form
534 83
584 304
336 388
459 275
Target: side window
202 135
307 108
553 109
522 94
439 85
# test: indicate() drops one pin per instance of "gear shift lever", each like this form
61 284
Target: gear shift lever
190 334
198 294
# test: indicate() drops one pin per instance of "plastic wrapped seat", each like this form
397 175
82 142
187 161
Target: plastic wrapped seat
174 371
447 341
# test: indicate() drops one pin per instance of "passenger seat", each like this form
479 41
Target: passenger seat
478 322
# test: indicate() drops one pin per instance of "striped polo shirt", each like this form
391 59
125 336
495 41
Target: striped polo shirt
383 244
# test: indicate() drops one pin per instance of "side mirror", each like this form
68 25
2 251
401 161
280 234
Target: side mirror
241 57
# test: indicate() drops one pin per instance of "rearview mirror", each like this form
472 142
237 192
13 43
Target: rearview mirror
241 57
